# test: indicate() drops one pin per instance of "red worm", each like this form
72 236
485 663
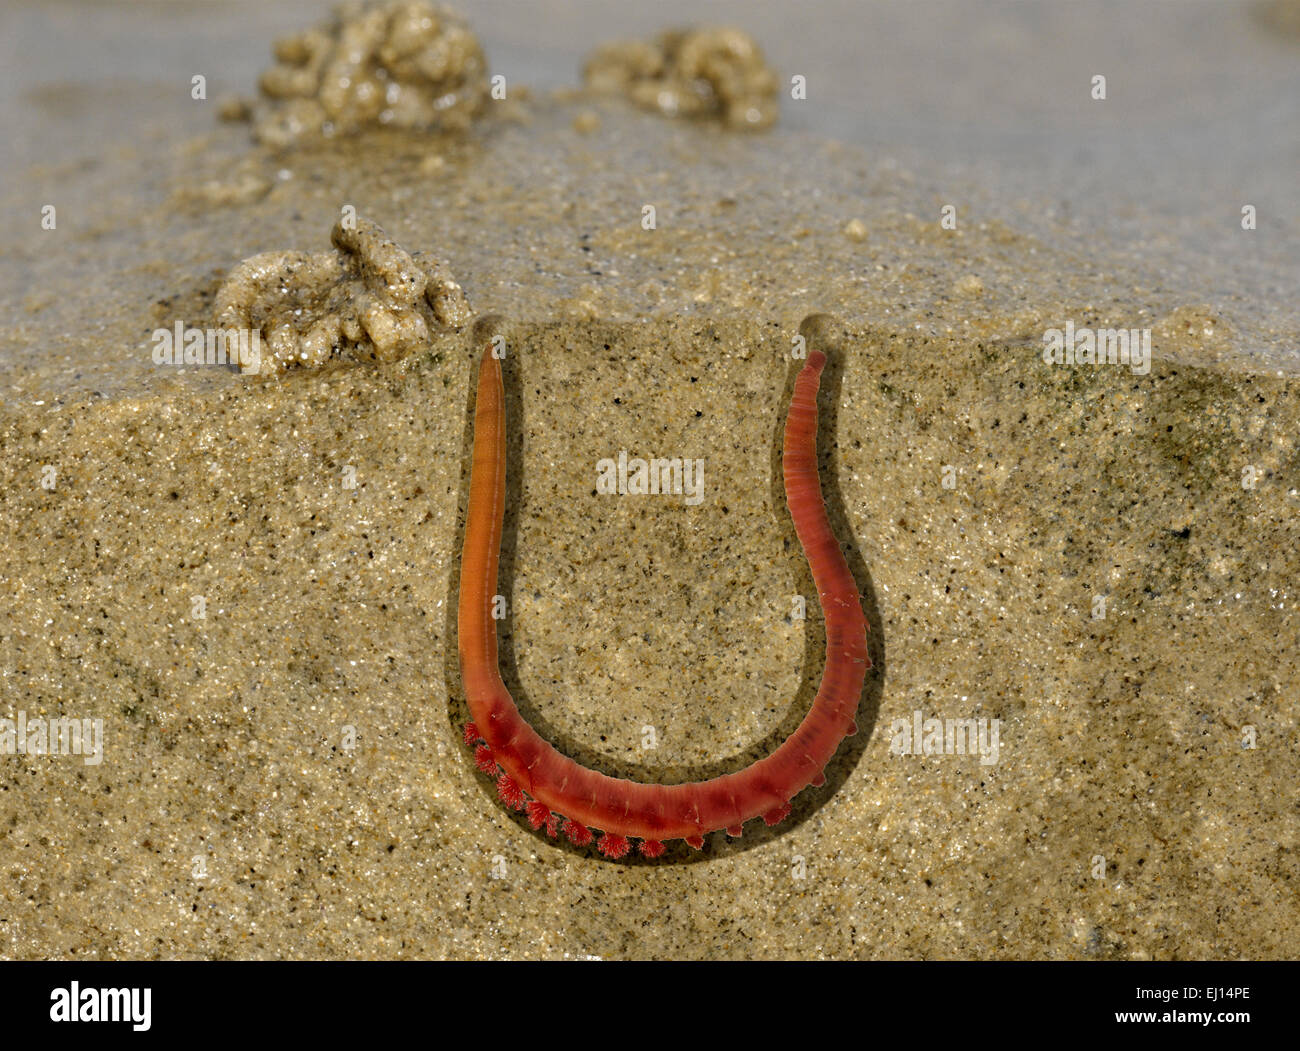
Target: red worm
565 796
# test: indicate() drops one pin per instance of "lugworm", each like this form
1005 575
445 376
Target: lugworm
563 795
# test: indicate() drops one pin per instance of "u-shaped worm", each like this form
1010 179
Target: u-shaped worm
565 796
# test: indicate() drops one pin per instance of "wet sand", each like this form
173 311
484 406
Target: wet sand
283 776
